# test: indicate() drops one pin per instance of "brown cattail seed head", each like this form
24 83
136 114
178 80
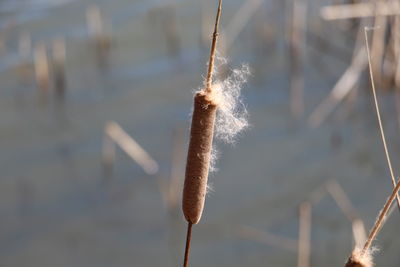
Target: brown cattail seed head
199 155
359 259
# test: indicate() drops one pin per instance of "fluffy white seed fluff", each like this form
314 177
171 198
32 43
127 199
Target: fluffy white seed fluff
232 114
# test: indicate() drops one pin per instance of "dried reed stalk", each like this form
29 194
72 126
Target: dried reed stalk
304 235
341 89
344 203
342 200
131 147
41 67
97 31
59 68
360 258
381 219
396 47
200 145
378 114
108 154
298 28
360 10
378 46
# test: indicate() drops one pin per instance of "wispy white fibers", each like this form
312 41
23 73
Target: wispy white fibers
213 159
232 114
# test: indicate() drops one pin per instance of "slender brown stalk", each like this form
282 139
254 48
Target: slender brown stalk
304 235
187 247
299 22
381 219
379 115
213 49
362 258
41 68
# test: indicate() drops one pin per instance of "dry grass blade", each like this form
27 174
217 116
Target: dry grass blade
362 257
342 200
341 89
132 148
304 235
378 47
41 67
359 10
298 32
379 115
381 219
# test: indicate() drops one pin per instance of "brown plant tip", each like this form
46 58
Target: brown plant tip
198 159
353 263
357 259
210 68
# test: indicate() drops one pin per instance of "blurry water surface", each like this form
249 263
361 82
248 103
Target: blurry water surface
58 207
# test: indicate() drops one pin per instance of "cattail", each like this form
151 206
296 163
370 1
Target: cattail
201 137
198 159
200 145
358 259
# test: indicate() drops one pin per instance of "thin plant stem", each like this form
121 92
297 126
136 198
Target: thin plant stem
187 247
378 113
213 49
381 219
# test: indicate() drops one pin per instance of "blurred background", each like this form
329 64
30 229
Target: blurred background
96 99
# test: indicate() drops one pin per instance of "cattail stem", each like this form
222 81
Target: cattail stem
187 247
213 49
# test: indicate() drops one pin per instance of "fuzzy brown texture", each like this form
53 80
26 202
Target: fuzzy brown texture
359 259
353 263
198 159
